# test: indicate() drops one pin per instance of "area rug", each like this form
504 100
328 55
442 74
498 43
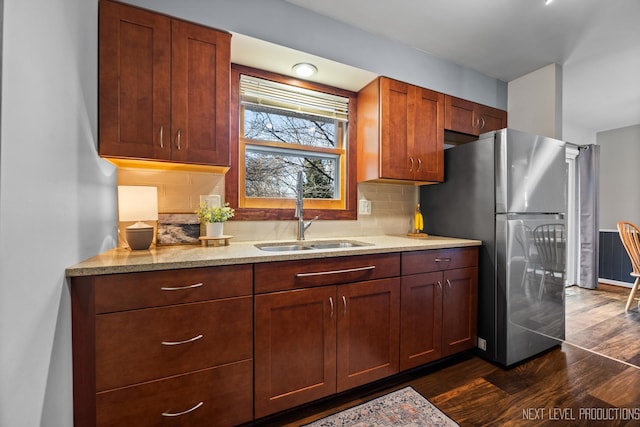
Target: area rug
404 407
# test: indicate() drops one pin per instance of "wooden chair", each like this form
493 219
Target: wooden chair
550 243
630 236
529 255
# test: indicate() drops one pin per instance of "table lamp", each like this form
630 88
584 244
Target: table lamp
138 203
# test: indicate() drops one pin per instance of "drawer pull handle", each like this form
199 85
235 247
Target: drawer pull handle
180 288
348 270
196 338
443 259
177 414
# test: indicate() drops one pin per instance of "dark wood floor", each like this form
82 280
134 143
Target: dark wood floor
596 320
566 382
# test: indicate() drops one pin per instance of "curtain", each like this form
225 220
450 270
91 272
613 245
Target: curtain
588 173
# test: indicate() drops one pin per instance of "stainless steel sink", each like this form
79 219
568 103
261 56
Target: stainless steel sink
336 245
282 248
303 246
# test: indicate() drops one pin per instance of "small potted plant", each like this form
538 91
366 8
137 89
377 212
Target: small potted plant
214 218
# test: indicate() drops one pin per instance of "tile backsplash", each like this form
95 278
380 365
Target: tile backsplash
179 192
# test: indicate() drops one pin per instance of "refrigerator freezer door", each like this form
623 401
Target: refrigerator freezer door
532 286
531 173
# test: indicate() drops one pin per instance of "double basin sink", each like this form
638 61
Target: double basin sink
310 245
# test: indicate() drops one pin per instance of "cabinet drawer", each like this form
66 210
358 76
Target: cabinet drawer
286 275
142 345
119 292
225 392
439 259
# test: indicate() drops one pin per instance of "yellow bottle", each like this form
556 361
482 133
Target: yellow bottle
418 221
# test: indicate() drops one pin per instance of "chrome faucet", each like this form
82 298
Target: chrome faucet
302 227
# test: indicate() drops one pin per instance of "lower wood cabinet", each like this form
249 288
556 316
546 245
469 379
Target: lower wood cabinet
221 346
368 331
219 396
439 304
163 348
421 319
313 342
295 348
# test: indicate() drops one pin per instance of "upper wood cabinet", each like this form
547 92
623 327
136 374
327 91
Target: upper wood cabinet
164 88
400 132
470 118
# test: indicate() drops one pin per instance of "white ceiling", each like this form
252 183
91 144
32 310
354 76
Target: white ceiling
596 41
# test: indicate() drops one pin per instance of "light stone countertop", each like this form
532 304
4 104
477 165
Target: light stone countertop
189 256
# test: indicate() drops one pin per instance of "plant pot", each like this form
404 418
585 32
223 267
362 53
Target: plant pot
214 229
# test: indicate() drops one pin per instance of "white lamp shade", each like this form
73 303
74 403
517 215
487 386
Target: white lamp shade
137 203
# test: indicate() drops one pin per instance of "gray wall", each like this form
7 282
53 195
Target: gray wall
619 176
57 197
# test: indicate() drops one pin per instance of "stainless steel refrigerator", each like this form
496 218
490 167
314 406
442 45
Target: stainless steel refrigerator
508 189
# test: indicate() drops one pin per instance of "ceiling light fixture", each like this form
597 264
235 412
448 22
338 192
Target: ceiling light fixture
304 69
546 2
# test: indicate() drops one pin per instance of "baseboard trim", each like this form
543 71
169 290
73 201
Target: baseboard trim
615 283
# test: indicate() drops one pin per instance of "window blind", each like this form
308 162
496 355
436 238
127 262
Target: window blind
267 93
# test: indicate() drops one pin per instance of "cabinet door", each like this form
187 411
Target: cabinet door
395 158
427 141
459 115
201 69
460 309
134 82
491 118
420 319
368 331
295 348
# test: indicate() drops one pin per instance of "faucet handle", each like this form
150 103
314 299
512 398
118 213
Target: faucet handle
308 224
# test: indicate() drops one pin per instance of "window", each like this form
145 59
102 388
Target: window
285 126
